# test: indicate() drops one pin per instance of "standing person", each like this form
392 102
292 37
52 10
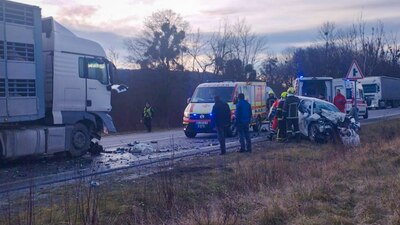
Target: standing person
221 115
291 112
271 99
340 101
243 116
147 116
273 117
281 134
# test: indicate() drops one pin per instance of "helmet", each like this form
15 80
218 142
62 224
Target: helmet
290 90
271 92
284 94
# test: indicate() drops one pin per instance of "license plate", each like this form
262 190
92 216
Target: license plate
202 123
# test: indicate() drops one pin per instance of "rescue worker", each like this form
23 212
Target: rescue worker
273 118
340 101
281 123
243 117
221 116
271 99
291 114
147 116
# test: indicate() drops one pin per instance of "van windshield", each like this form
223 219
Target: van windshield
313 88
206 94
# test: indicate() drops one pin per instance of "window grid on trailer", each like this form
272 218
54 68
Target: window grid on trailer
1 12
20 51
21 88
1 50
2 87
19 14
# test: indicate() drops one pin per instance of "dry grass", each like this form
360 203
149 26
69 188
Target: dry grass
277 184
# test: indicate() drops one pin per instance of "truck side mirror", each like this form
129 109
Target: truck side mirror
119 88
188 100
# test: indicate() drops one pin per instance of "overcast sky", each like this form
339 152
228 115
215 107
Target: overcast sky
286 23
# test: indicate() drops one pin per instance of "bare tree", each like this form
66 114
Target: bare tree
113 55
393 49
195 48
247 45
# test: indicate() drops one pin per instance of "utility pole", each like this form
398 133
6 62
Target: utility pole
326 33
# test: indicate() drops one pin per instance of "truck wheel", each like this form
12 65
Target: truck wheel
257 126
80 140
190 134
366 114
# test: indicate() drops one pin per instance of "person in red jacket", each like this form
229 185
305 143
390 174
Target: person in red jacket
340 101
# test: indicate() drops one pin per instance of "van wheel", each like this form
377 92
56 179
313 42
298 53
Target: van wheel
190 134
366 114
80 140
257 126
232 132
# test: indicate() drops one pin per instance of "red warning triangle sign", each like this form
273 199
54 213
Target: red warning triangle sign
354 72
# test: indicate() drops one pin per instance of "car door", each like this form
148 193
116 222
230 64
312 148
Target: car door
305 110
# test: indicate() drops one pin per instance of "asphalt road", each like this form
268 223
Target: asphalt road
178 136
130 149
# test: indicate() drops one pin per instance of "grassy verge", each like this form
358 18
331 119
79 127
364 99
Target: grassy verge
277 184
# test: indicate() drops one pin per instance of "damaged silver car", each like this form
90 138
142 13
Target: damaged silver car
321 121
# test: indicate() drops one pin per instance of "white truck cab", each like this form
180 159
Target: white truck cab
55 87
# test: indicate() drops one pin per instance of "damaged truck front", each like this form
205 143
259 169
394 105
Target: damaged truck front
55 88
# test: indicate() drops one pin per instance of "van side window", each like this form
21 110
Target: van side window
93 69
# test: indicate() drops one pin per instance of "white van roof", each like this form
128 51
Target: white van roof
230 84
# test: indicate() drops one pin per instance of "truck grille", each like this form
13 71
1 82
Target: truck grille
21 88
2 88
16 13
20 51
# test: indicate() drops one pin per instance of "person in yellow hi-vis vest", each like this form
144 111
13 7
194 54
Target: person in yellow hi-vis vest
147 116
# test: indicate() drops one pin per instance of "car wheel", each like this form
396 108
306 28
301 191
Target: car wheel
232 132
80 140
313 132
190 134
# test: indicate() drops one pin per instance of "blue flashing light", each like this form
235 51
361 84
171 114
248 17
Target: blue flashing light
194 114
301 77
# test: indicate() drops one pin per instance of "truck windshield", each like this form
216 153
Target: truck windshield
206 94
370 88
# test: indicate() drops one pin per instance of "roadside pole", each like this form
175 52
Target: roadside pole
354 74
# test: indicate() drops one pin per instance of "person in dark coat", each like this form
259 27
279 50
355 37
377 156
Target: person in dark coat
221 115
243 117
290 111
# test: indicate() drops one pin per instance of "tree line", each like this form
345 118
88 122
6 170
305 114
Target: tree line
235 51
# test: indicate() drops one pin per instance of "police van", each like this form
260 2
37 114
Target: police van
197 115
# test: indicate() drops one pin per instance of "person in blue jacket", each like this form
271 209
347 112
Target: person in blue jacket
243 117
